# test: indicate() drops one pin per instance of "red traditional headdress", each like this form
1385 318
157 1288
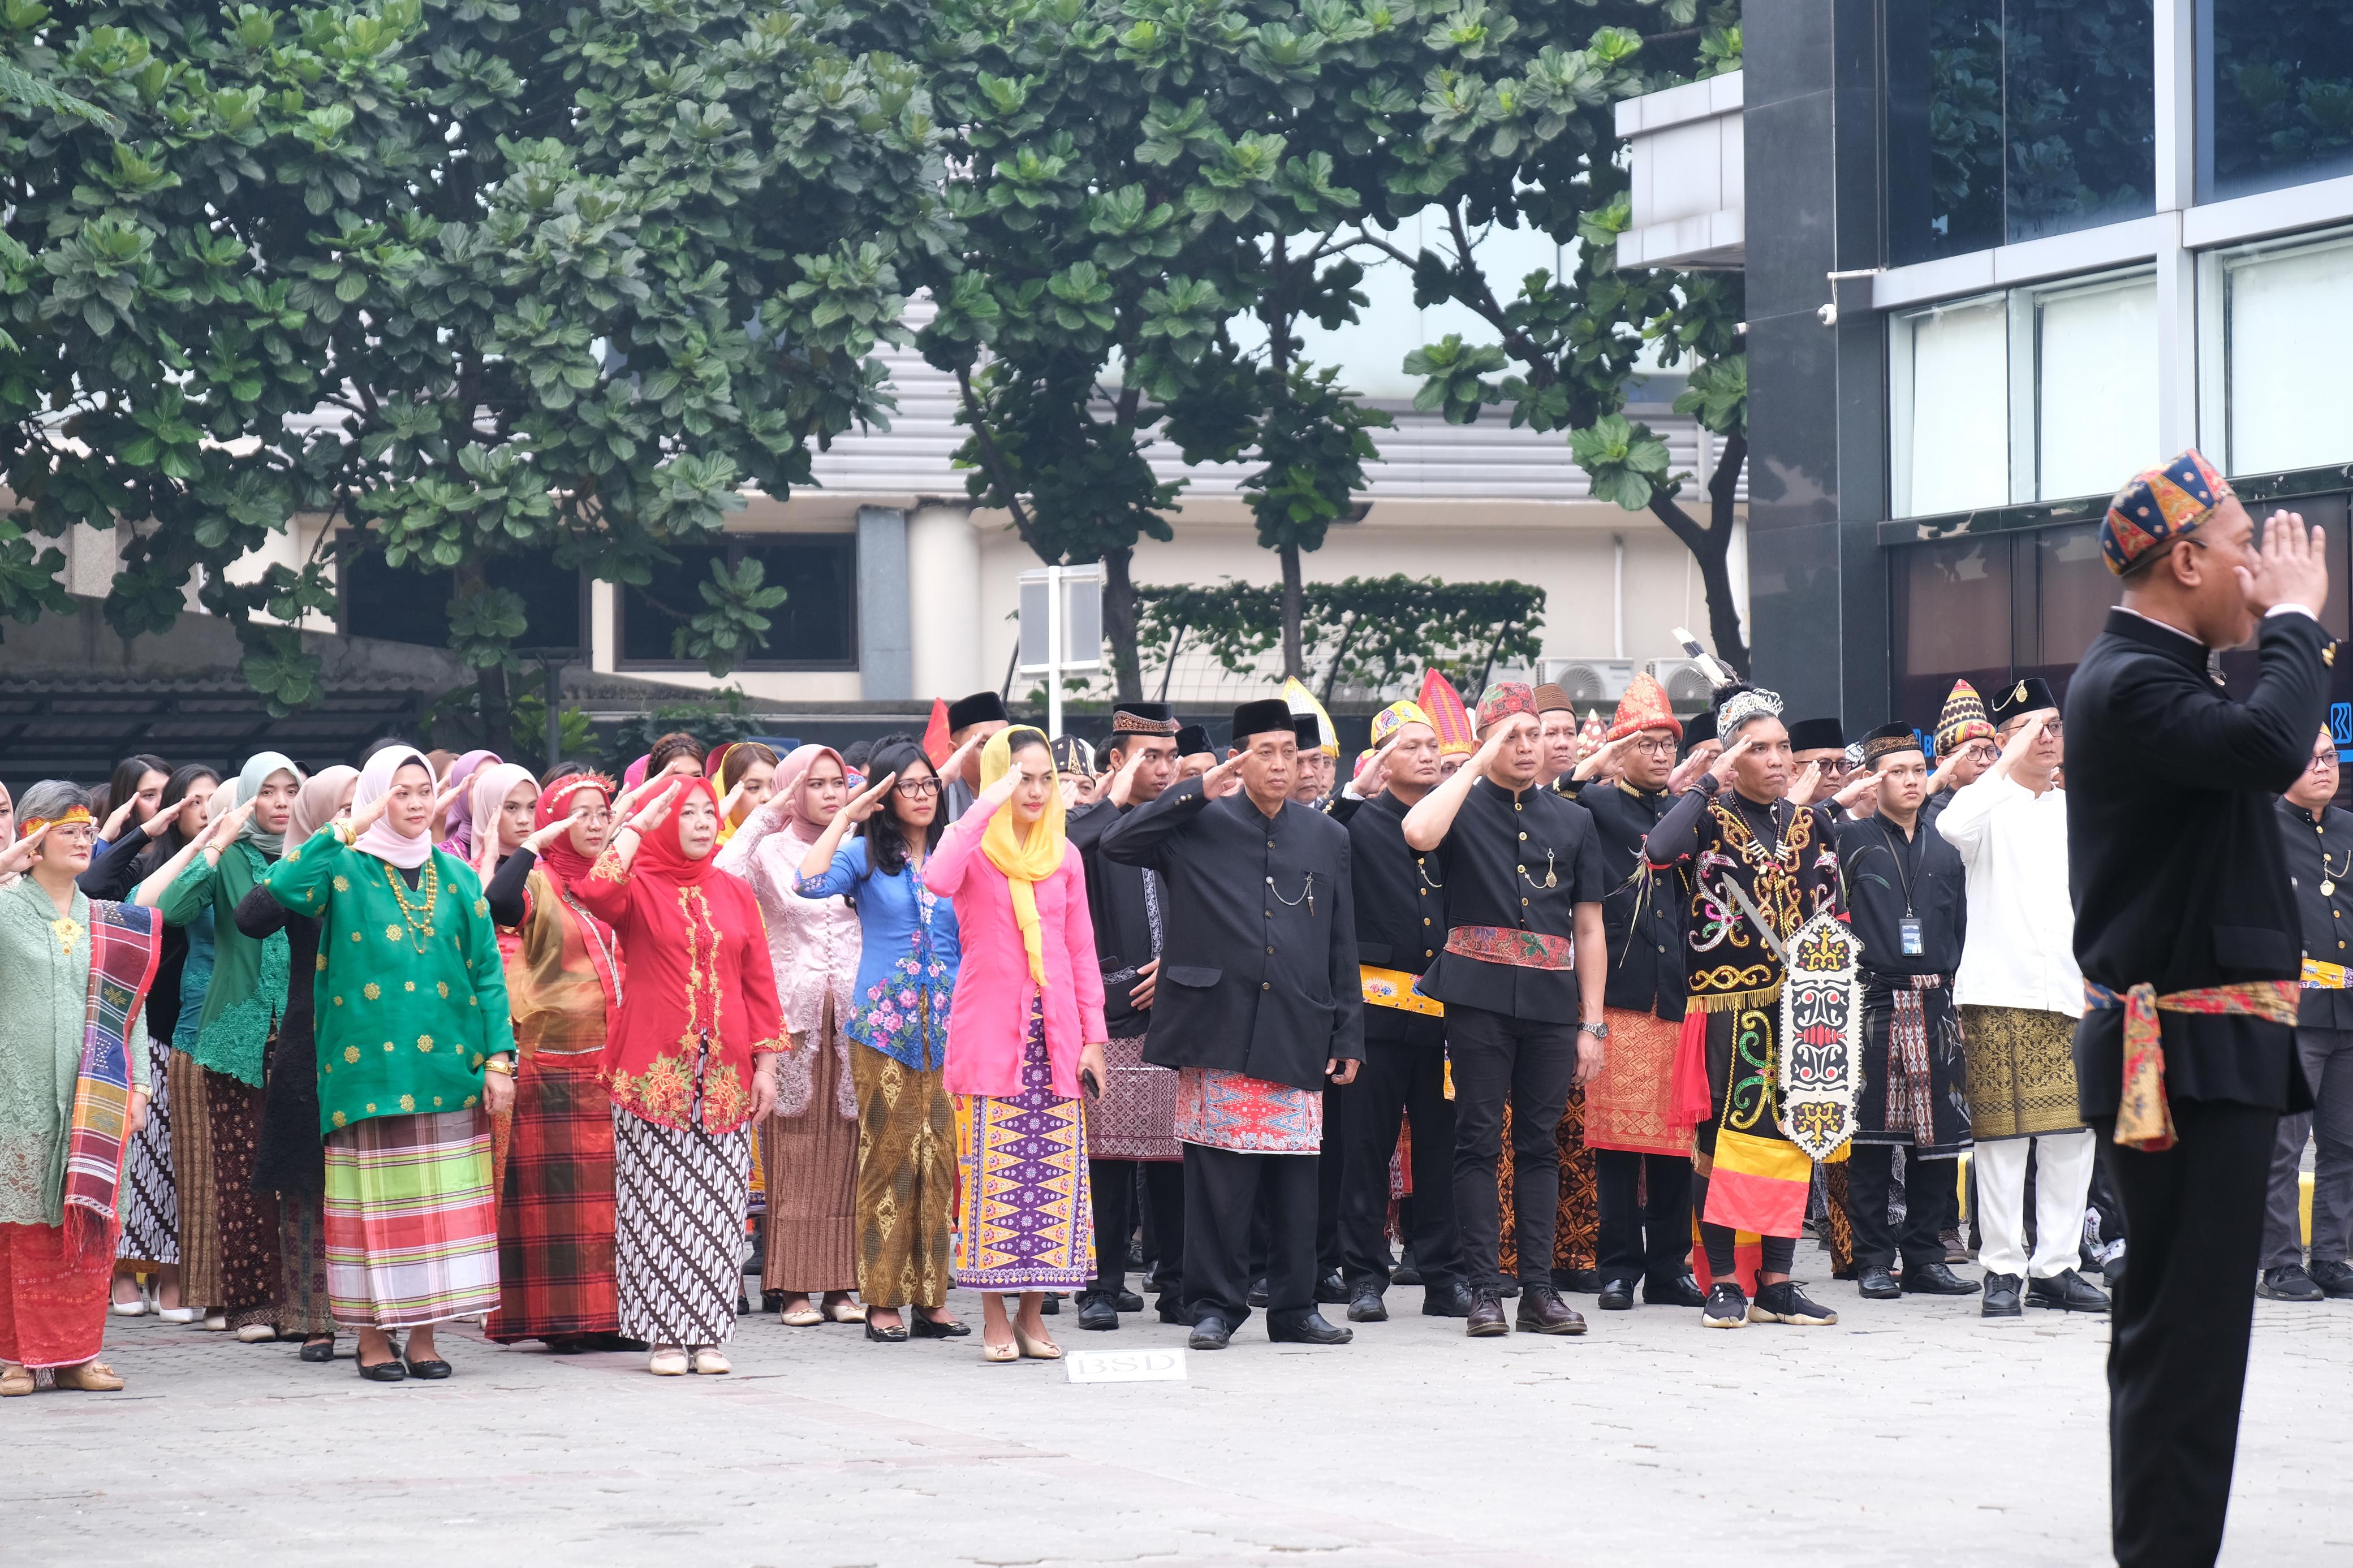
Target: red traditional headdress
1446 716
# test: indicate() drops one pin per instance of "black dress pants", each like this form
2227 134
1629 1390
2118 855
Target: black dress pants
2179 1329
1223 1191
1869 1178
1400 1080
1646 1230
1532 1064
1112 1183
1332 1170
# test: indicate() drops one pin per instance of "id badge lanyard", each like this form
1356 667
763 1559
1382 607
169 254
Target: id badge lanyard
1908 928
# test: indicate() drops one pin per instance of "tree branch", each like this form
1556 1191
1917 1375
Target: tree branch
999 473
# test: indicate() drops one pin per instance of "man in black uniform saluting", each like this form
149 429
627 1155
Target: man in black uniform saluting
2186 930
1257 1002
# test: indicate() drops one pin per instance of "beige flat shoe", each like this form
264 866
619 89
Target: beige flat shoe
668 1363
256 1334
89 1377
176 1314
999 1352
710 1362
135 1308
16 1381
216 1323
846 1312
1037 1349
802 1317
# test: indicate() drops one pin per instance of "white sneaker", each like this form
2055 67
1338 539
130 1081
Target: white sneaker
710 1362
668 1363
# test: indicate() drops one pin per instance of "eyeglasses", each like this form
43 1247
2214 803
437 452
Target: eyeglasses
1663 745
2321 762
916 789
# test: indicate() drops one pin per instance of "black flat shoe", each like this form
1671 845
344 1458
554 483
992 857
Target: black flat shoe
432 1370
322 1352
1583 1281
1332 1291
1445 1300
1052 1306
1256 1295
1171 1311
922 1327
1311 1330
1097 1313
381 1372
1617 1295
1211 1334
1937 1279
896 1334
1128 1301
1365 1305
2068 1292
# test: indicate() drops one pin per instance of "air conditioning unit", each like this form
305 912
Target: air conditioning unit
1589 680
1685 680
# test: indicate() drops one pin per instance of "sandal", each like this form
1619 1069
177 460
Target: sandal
1037 1349
996 1352
805 1316
845 1311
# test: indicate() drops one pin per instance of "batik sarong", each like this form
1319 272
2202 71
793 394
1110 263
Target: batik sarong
244 1286
412 1227
681 1196
907 1180
1629 1102
304 1309
151 1202
1915 1089
557 1204
811 1166
1246 1115
1027 1221
2021 1072
1136 1117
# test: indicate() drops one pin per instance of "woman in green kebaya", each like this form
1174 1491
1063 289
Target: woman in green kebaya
415 1047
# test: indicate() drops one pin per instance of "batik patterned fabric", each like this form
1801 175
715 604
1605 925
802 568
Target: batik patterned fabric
682 1198
412 1224
2160 505
191 1177
1028 1217
52 1297
1136 1117
1629 1102
304 1308
557 1204
1577 1217
1505 944
1246 1115
151 1201
810 1162
244 1281
906 1181
2021 1072
1915 1068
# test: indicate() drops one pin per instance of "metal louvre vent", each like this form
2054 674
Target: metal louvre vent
1686 682
1589 680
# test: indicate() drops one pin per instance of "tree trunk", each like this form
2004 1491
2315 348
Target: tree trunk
1294 662
1711 546
493 705
1119 625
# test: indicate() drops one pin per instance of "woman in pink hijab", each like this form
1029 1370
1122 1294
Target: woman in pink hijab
808 1151
457 831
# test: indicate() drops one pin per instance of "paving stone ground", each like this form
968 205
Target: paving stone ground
1912 1432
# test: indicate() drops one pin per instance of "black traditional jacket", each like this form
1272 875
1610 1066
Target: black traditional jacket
1780 854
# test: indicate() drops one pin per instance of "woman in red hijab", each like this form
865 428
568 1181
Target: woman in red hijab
556 1280
690 1064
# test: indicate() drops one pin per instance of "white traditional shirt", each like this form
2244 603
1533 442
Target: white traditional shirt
2020 947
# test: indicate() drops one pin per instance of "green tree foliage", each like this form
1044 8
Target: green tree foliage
1374 634
571 279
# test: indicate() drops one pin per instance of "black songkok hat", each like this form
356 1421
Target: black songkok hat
2021 697
1698 731
1309 733
1257 718
977 709
1817 735
1192 741
1888 740
1144 719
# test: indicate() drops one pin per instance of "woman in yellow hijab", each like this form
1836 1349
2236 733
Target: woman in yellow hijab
1024 1036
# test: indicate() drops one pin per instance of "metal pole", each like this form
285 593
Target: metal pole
1054 651
1618 596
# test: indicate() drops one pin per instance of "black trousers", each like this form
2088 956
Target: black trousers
1397 1081
1531 1064
1223 1191
1870 1178
2177 1334
1645 1228
1331 1171
1112 1183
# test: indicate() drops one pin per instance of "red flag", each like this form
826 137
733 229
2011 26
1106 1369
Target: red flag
937 744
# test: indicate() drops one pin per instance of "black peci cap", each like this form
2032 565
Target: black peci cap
2021 697
979 708
1192 741
1817 735
1257 718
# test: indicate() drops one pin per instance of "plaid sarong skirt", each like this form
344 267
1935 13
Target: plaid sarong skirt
412 1224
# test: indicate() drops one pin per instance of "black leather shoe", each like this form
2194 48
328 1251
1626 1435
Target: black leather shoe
2002 1297
1311 1330
1097 1313
2068 1292
1937 1279
1211 1334
1256 1295
381 1372
1128 1301
1876 1284
922 1327
1487 1320
1617 1295
1365 1305
1172 1310
2288 1282
1683 1290
427 1371
1407 1271
1051 1306
1542 1311
1445 1301
1583 1281
2335 1278
896 1334
324 1350
1332 1291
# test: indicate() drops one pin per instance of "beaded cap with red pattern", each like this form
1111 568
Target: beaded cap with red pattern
2160 505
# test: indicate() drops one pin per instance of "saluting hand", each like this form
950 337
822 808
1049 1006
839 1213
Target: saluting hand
1489 749
18 858
161 823
1372 775
960 758
112 825
1223 779
1722 766
865 802
1809 784
2291 565
1121 788
225 830
658 811
1857 787
441 805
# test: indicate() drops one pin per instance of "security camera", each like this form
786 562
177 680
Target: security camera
1829 313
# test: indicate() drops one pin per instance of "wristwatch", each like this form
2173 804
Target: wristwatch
1598 1031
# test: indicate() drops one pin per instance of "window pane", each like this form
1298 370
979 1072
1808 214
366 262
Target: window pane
2073 591
2096 390
816 627
1951 603
1955 454
550 594
2276 95
393 601
2079 114
1944 128
667 602
2291 338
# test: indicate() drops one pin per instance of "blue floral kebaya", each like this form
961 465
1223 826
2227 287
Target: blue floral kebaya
907 958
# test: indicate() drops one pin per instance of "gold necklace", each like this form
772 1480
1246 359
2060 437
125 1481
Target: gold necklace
420 917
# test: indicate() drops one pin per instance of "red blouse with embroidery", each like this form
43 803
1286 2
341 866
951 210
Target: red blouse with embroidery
701 996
